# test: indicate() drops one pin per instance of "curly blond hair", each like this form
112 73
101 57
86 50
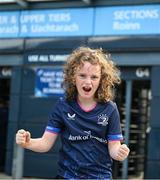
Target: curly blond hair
109 73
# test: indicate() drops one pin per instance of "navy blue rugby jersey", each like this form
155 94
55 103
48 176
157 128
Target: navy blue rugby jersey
84 135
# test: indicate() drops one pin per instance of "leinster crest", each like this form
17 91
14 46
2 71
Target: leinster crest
102 119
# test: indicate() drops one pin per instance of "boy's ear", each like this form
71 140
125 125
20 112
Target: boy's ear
74 79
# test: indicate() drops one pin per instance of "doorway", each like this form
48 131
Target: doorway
133 100
4 111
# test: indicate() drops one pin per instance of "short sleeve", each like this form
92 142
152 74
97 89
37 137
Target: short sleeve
55 124
114 127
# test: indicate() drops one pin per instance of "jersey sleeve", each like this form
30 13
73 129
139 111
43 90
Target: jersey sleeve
114 128
55 123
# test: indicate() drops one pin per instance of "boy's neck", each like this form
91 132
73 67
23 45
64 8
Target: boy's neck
86 104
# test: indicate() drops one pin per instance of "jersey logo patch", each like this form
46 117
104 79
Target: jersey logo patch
71 117
103 120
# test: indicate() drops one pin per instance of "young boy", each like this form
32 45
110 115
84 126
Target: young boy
86 119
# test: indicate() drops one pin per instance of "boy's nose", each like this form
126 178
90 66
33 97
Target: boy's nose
88 80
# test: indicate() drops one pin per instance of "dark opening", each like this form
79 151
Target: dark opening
140 115
4 108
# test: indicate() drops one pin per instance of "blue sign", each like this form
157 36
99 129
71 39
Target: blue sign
48 82
128 20
100 21
9 24
66 22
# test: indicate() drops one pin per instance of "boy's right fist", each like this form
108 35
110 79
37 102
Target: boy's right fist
23 137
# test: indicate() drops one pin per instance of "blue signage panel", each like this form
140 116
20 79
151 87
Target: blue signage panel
119 20
61 22
127 20
9 24
48 82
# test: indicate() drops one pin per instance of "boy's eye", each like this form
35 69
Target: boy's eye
82 75
94 77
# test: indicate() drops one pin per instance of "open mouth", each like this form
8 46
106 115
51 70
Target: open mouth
87 89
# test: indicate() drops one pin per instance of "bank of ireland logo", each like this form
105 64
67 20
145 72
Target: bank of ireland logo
102 119
71 116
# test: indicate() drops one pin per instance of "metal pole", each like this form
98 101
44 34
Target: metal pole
127 124
17 166
18 152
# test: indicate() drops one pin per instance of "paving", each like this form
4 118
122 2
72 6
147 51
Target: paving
5 176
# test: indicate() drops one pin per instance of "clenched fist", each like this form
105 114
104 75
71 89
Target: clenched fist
23 137
122 152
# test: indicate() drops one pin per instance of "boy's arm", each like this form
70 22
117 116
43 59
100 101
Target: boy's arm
43 144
